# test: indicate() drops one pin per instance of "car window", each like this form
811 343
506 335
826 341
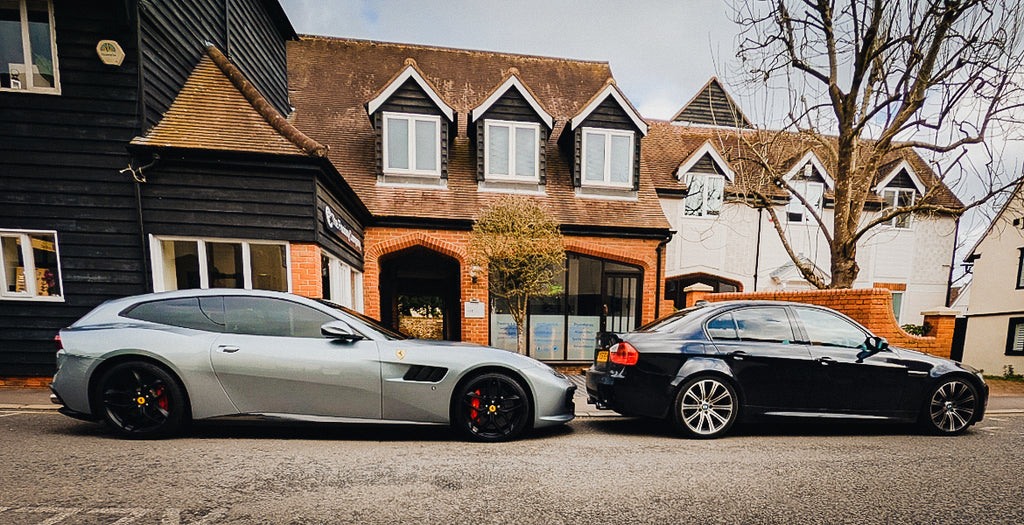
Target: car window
722 327
827 329
185 312
766 324
669 323
273 317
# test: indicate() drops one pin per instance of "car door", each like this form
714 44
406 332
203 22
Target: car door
850 380
273 359
760 346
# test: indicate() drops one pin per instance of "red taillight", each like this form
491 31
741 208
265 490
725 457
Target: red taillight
623 354
57 343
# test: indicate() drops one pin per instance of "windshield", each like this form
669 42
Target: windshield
668 323
363 323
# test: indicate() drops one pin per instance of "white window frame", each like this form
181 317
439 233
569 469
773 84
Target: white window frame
26 51
411 119
606 176
796 206
30 293
156 251
704 194
512 127
893 223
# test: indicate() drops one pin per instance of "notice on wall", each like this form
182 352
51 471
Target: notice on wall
475 309
547 333
503 332
582 336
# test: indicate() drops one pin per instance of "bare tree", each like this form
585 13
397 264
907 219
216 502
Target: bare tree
870 78
520 245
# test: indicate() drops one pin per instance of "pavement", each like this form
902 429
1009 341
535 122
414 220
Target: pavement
1003 400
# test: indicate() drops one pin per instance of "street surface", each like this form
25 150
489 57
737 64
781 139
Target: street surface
56 470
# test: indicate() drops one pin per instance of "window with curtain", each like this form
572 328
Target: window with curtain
512 150
412 144
607 158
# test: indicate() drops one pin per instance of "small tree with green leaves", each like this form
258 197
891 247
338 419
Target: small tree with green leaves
520 245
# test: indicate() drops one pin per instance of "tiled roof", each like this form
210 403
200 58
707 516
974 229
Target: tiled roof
669 145
218 109
331 79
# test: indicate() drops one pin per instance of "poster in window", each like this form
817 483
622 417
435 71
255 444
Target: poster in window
547 332
582 336
503 332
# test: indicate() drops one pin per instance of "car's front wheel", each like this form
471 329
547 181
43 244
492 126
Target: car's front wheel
706 407
141 400
491 407
950 407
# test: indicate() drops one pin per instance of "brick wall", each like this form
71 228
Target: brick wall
306 275
382 241
871 307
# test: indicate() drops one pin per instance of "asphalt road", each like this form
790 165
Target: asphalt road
55 470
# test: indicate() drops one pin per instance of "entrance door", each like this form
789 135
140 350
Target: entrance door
420 294
621 302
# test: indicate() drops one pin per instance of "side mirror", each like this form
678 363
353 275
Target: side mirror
339 330
876 344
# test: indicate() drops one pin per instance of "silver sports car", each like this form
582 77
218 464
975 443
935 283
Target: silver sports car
149 364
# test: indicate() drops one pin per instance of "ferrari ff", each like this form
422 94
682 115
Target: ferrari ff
704 368
148 365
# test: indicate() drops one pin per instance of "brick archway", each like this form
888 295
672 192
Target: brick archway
586 247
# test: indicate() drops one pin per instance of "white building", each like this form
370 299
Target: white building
721 241
995 313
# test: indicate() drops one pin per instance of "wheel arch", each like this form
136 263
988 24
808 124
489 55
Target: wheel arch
705 366
973 380
109 363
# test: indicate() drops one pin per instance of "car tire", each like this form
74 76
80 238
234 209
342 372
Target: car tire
706 407
141 400
491 407
950 407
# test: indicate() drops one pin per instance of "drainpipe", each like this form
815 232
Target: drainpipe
657 275
952 263
757 246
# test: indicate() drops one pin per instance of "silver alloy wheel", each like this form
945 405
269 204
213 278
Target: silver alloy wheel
707 407
952 406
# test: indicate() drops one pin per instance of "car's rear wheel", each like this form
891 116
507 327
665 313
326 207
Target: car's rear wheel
491 407
706 407
950 407
141 400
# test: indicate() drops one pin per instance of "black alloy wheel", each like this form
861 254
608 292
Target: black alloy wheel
706 407
951 407
141 400
492 407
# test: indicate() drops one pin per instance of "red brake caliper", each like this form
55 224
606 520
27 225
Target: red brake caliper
161 398
476 404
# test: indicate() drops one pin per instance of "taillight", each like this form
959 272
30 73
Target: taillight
56 342
623 354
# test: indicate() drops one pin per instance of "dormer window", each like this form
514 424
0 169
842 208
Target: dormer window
704 195
608 158
412 144
808 179
512 150
898 189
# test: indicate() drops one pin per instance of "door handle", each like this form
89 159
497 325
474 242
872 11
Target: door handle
738 355
825 361
228 349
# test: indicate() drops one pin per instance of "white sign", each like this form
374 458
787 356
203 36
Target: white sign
546 335
504 333
110 52
475 309
582 336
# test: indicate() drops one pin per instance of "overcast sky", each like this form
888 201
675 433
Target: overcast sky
661 52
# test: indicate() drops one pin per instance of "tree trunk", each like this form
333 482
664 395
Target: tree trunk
521 337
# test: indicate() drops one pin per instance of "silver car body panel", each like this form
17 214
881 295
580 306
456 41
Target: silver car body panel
304 379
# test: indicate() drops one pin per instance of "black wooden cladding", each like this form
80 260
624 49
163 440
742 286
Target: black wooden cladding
706 164
713 107
60 156
328 195
511 106
175 34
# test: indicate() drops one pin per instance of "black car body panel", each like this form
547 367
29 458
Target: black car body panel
774 375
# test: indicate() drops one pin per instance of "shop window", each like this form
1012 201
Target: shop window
180 264
28 49
813 193
703 195
607 158
1015 337
512 150
342 284
895 198
412 144
31 265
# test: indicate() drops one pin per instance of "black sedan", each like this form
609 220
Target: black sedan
705 367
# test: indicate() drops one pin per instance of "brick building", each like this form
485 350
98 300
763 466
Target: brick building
427 137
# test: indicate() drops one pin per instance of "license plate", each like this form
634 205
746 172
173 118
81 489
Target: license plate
602 356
